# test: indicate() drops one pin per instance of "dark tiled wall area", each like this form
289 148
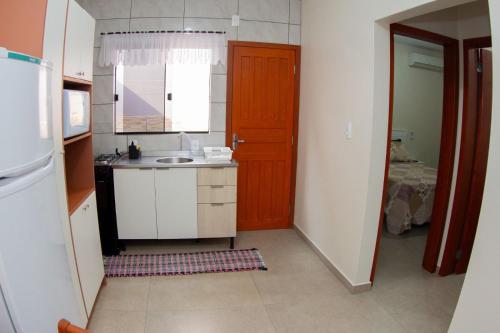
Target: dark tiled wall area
275 21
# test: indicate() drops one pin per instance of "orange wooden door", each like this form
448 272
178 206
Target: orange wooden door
262 88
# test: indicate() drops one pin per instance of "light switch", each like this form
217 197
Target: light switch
348 130
235 21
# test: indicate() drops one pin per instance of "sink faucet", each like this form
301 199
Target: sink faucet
181 135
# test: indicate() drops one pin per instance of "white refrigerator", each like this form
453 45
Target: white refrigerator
36 288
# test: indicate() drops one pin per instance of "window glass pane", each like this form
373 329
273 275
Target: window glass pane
140 106
170 98
187 106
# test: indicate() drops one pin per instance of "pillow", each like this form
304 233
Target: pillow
399 153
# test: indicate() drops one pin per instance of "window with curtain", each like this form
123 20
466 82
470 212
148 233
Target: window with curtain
162 80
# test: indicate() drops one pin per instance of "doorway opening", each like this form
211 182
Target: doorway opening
421 140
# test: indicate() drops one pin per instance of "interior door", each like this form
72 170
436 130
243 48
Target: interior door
482 60
261 85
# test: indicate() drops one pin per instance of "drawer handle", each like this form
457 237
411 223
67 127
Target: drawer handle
217 168
217 186
145 168
217 204
87 206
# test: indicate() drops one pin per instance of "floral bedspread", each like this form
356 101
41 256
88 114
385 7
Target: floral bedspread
411 195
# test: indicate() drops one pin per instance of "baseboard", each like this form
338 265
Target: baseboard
353 288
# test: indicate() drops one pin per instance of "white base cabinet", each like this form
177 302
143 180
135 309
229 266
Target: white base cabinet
176 214
87 247
135 203
175 203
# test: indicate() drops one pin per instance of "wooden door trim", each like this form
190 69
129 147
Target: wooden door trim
457 221
447 146
295 130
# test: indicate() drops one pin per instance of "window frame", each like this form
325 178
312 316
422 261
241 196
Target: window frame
164 132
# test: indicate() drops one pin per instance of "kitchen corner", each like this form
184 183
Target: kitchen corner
189 197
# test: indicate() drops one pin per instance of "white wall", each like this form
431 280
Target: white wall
275 21
477 309
345 77
418 103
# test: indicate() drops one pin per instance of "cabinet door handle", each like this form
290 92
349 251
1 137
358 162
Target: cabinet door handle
145 168
216 186
87 206
217 204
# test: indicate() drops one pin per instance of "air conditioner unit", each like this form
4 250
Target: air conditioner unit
426 62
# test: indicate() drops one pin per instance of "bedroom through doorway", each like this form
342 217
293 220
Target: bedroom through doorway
420 151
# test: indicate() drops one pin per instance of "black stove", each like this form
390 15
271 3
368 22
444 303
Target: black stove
106 159
105 195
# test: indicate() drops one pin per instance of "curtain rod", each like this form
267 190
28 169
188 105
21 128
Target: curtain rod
163 32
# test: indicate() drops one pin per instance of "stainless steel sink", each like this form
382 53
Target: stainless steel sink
173 160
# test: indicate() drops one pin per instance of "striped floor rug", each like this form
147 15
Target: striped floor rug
183 263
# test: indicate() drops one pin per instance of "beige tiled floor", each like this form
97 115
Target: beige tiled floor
297 294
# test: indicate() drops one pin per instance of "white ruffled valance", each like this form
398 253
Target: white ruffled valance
141 49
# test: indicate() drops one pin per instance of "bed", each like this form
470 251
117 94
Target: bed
411 186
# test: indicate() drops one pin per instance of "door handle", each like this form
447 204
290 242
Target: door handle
236 141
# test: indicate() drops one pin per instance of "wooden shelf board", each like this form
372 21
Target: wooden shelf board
69 79
77 138
76 197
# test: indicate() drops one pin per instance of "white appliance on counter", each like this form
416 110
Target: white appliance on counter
35 280
76 112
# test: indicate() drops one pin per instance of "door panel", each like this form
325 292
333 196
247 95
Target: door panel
480 158
135 203
176 203
262 105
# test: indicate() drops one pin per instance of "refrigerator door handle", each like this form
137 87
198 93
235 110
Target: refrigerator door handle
10 186
28 167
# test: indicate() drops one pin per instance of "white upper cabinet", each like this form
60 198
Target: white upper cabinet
79 43
176 203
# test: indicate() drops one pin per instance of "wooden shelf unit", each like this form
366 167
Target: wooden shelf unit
77 137
79 158
79 164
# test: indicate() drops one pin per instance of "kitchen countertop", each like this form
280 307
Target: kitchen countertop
149 161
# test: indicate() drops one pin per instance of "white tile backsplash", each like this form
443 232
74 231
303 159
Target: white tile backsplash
102 118
212 24
218 117
150 142
106 143
212 139
211 8
157 8
259 22
294 34
102 91
295 7
109 26
265 10
106 9
218 88
263 32
146 24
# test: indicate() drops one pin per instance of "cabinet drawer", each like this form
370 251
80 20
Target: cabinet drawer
217 176
216 220
216 194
